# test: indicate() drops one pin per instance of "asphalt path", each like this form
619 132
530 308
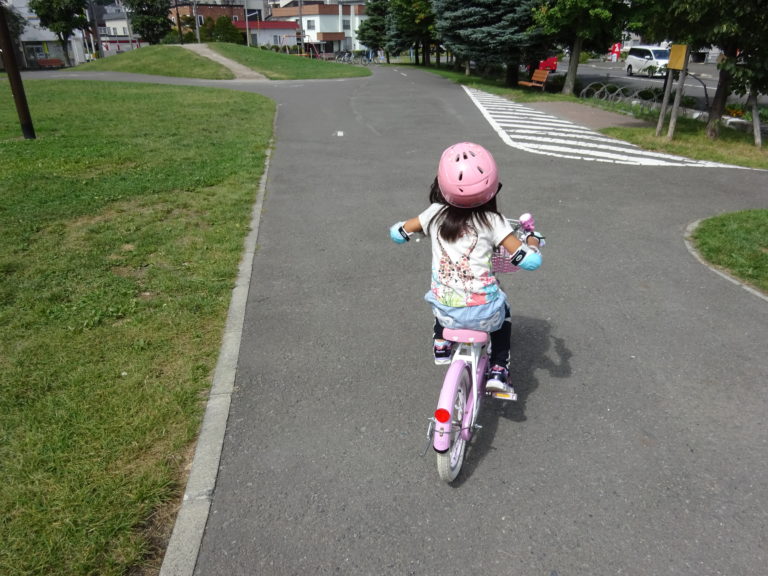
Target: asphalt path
639 442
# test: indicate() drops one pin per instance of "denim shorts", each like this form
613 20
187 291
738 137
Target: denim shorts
486 317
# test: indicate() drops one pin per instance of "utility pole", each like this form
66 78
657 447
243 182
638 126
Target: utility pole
178 22
247 27
301 26
14 77
91 11
197 24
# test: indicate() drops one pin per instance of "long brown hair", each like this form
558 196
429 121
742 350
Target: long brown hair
453 221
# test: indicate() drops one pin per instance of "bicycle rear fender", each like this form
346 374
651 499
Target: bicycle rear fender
441 440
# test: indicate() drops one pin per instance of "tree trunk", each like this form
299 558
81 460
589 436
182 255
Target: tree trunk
717 108
573 67
513 73
755 118
425 49
64 41
467 68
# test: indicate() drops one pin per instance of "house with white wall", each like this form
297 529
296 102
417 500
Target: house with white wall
270 32
333 23
39 43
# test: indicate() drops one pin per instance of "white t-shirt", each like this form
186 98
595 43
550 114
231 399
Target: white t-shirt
461 270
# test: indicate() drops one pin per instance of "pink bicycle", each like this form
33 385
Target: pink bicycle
455 419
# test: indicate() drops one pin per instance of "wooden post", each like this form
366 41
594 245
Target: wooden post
678 95
14 78
664 102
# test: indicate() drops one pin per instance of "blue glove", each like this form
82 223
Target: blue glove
398 234
531 261
526 257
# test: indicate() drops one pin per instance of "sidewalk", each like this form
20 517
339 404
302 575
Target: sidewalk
587 116
241 72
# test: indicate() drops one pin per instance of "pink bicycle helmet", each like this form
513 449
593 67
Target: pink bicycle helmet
467 175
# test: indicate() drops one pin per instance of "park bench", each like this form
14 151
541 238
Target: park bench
538 79
50 63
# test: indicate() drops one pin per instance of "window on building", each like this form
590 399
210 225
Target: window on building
275 40
201 19
345 23
310 24
235 18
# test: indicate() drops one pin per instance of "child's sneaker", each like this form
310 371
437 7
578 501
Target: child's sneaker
442 350
497 380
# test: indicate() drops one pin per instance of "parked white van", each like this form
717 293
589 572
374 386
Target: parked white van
650 60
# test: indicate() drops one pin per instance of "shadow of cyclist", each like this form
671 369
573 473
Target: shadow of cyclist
534 348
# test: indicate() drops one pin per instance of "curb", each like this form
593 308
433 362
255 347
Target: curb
183 548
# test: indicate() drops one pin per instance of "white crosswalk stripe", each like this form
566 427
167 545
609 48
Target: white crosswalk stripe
534 131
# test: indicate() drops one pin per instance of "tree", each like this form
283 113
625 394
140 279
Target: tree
16 22
373 31
62 17
749 70
582 24
499 32
455 23
737 28
411 24
149 19
225 31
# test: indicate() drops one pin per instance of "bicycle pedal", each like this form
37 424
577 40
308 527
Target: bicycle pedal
508 396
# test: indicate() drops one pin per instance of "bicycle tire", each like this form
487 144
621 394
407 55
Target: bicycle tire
449 463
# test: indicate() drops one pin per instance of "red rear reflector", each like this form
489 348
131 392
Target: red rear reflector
442 415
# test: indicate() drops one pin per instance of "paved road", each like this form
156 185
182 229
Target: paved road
639 446
701 82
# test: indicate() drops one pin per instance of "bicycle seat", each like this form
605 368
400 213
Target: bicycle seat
465 336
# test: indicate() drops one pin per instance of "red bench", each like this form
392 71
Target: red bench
538 79
50 63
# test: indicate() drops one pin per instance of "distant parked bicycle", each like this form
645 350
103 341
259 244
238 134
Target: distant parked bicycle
347 57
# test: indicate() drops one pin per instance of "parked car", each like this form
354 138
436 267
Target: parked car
650 60
549 64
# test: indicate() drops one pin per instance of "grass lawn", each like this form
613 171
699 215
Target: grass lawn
121 230
276 66
738 244
180 62
161 61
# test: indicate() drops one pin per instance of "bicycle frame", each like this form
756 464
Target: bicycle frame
470 353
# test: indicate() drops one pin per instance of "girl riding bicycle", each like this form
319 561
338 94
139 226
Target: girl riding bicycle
465 227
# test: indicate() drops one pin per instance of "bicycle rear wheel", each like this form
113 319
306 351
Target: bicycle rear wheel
449 463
